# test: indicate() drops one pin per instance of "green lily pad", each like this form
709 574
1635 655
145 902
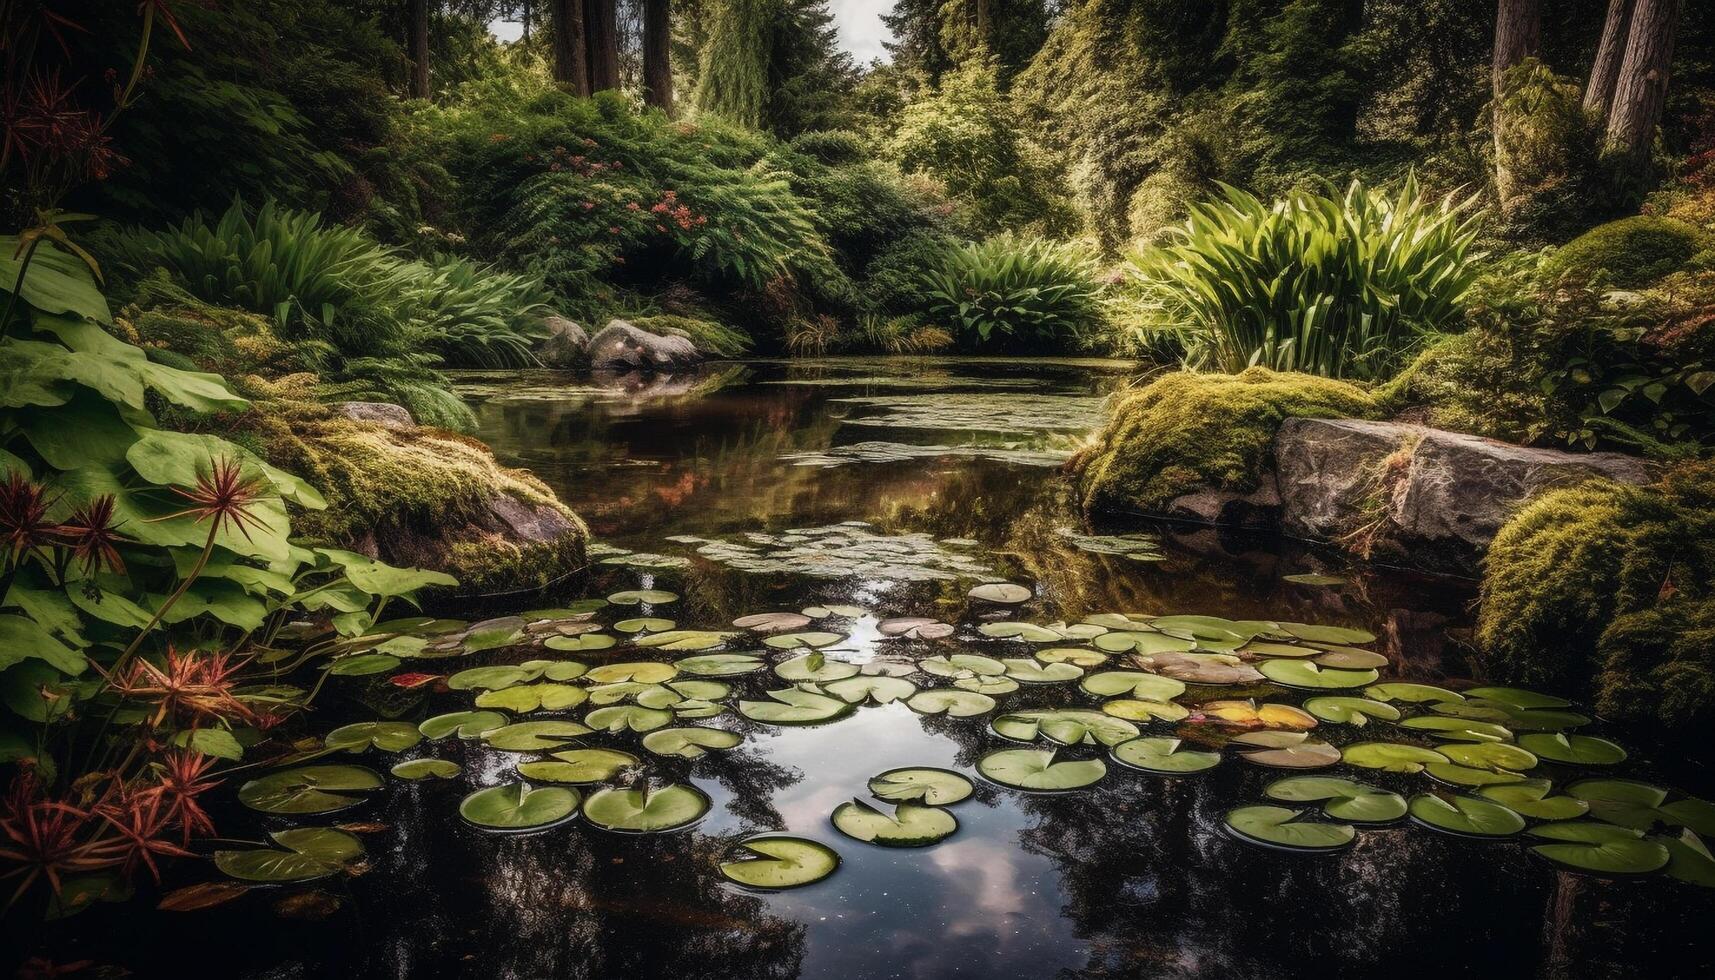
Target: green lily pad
1356 712
1029 670
363 664
910 824
1468 816
1279 826
1327 634
633 597
1390 756
519 807
986 685
641 811
1601 848
1077 656
774 622
1343 799
1518 697
1132 684
628 717
1412 693
1343 659
880 690
534 736
1494 756
1028 632
1134 641
308 789
1689 859
468 724
579 766
689 743
583 643
384 736
414 769
802 641
1065 726
780 862
1163 755
1458 775
719 664
814 667
1459 729
1133 709
914 628
1285 750
920 784
793 706
1642 806
639 671
954 704
1583 750
684 641
1529 798
494 678
823 612
311 853
962 666
1004 593
526 698
1299 673
1039 770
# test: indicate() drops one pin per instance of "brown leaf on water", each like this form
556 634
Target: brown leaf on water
205 895
373 827
308 906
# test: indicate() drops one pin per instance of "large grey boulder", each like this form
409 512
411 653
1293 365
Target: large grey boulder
565 346
619 346
1434 497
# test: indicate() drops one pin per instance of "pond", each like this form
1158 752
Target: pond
893 487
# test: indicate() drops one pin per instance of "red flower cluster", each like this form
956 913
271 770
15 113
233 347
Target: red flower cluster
188 688
91 534
670 209
561 160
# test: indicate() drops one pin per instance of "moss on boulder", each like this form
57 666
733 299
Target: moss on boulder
1607 592
1634 251
1186 432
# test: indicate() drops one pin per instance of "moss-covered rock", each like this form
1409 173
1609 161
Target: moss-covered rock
1634 251
1186 432
1603 590
1482 382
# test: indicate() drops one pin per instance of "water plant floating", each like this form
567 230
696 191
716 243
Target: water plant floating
774 863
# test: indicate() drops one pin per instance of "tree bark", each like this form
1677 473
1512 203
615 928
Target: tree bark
601 23
657 54
1518 35
417 46
1605 71
1641 90
571 54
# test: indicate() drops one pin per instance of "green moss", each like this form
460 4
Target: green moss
494 564
1188 430
709 336
1473 382
1633 251
1658 666
1595 591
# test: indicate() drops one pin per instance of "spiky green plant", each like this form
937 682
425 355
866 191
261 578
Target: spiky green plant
1033 294
1342 286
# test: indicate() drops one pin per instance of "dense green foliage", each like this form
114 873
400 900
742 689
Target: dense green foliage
1635 251
1005 294
1335 286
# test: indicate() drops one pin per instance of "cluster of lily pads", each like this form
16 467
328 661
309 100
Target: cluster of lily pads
1503 761
899 452
847 549
1007 412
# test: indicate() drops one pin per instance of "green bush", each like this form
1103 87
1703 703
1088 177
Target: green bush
1341 287
1007 294
1634 252
1600 591
893 282
1186 431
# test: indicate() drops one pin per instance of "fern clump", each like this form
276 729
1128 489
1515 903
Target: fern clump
1006 294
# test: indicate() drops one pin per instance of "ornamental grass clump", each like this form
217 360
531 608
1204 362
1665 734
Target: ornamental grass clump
1033 295
1338 286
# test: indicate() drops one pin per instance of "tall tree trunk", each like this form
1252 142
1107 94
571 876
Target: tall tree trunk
1518 35
1641 91
1605 71
657 54
417 46
527 17
571 46
601 22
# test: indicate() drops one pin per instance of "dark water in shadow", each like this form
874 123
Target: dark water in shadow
1130 878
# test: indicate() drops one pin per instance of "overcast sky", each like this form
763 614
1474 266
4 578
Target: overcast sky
859 21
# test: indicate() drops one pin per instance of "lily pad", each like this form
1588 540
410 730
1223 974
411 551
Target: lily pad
780 862
363 664
1390 756
690 743
914 628
1411 693
880 690
1458 775
1279 826
1343 799
684 641
526 698
638 672
384 736
1600 848
962 665
426 769
1356 712
814 667
1467 816
1459 729
628 717
519 807
1312 578
633 597
803 641
1029 670
1028 632
1689 859
1132 709
646 811
1004 593
1040 770
468 724
1582 750
534 736
1064 726
1215 669
1163 755
1077 656
774 622
910 824
308 789
1285 750
793 706
954 704
719 664
1250 714
1132 683
1530 798
823 612
1134 641
1344 659
918 784
1489 755
644 624
582 643
1642 806
579 766
1299 673
1518 697
494 678
1328 634
310 853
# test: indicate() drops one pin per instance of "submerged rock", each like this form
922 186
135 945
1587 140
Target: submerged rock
565 346
622 347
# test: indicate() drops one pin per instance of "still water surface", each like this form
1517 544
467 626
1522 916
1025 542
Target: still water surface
1133 877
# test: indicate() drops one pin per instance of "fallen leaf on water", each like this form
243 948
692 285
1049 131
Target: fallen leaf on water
205 895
